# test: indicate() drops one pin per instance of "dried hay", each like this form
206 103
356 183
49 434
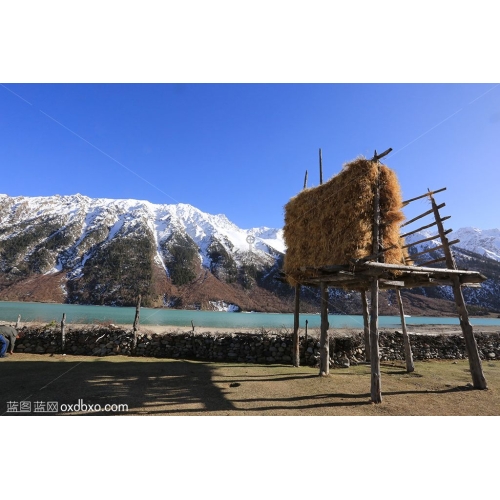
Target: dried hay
332 223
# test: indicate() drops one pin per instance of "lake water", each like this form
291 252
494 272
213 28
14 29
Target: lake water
125 315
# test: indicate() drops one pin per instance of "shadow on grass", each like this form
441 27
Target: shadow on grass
170 387
144 386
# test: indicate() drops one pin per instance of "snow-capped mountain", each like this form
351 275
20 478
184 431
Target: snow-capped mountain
484 242
79 237
119 217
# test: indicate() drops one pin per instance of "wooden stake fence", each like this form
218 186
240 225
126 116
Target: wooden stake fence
136 322
63 332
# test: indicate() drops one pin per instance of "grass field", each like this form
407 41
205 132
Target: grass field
150 386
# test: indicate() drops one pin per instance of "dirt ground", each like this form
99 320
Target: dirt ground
150 386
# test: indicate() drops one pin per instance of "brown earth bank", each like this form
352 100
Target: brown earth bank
148 386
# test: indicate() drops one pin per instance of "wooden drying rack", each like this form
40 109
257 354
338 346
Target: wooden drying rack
371 273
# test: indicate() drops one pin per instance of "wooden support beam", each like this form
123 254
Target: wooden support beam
406 202
366 324
305 181
421 215
440 247
424 227
425 239
410 367
373 256
320 167
330 268
324 362
296 343
136 323
476 368
414 269
377 157
391 283
63 332
376 387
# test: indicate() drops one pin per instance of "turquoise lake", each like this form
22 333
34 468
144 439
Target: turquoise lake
174 317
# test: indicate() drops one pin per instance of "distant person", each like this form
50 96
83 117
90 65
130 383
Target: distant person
7 334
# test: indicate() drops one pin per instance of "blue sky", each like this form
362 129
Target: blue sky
242 149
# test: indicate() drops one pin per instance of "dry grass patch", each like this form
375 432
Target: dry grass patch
152 386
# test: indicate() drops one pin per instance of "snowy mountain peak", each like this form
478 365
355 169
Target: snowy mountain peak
485 242
103 219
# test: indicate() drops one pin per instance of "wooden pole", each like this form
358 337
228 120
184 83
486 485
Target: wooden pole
305 180
408 222
305 340
324 364
366 324
320 167
410 367
377 157
18 322
63 332
476 368
406 202
296 343
136 322
376 387
424 227
192 326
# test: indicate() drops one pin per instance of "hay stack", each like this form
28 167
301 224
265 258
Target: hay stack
332 223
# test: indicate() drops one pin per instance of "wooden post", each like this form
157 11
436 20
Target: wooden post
296 344
305 180
366 324
305 340
376 387
63 332
410 367
475 365
192 326
320 167
136 322
18 322
324 363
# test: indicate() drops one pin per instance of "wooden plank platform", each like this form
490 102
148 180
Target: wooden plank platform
359 276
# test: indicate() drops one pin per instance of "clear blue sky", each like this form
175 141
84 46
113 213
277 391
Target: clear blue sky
242 149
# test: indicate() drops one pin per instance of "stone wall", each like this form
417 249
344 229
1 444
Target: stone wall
248 348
